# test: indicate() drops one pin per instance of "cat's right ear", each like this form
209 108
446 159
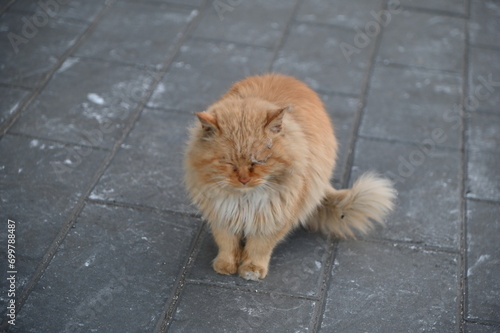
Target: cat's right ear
274 120
208 124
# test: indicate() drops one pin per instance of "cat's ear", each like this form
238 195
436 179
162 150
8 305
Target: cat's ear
274 121
208 123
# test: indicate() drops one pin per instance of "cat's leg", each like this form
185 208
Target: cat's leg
229 255
257 254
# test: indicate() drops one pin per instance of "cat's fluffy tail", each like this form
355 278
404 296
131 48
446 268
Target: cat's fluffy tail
342 212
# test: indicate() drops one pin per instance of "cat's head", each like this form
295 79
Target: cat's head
240 144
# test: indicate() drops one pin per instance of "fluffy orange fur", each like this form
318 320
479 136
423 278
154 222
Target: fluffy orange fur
258 164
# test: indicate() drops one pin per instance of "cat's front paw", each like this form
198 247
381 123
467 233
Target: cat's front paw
224 266
250 271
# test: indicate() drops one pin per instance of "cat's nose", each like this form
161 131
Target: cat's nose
244 180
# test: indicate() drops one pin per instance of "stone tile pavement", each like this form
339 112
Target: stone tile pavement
95 98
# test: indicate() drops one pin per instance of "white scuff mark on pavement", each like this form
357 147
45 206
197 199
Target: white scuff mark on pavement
482 258
94 98
68 64
192 15
90 260
12 109
34 143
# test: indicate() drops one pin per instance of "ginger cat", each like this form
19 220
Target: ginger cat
258 164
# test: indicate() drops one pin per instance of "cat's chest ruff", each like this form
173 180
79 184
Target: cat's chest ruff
250 212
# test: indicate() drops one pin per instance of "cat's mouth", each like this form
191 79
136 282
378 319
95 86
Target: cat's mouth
245 187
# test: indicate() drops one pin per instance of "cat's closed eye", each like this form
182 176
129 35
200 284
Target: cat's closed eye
261 161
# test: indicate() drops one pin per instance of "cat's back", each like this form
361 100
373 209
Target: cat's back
307 112
276 88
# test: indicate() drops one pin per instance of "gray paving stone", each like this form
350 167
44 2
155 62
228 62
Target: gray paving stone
342 111
424 40
351 14
147 37
324 68
116 269
483 175
428 206
40 184
79 10
483 261
49 40
87 102
451 6
259 23
412 105
484 80
147 170
10 98
211 309
114 273
483 131
204 70
479 328
485 23
374 286
296 266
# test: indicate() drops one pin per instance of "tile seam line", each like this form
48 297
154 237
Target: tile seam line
414 9
4 128
168 312
332 26
437 12
141 207
247 289
483 322
490 47
168 3
4 8
363 96
464 155
72 20
227 41
485 112
484 200
408 245
284 36
56 141
319 310
114 62
54 246
397 65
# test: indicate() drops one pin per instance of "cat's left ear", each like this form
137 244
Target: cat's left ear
274 121
208 123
